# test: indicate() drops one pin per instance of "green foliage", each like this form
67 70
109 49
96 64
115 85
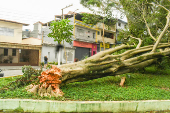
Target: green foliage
155 16
85 57
137 87
42 64
30 75
48 66
28 71
163 63
103 12
54 63
61 30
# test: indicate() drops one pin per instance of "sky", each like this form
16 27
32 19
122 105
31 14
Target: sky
32 11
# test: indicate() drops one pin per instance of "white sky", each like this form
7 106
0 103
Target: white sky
31 11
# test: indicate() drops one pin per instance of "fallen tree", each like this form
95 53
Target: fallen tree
107 64
143 21
103 64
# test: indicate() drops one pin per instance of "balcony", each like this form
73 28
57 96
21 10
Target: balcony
80 23
109 29
106 39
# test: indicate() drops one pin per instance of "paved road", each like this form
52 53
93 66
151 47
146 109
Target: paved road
13 70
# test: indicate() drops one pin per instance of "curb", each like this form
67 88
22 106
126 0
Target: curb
29 105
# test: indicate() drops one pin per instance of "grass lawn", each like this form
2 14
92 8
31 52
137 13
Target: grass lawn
155 85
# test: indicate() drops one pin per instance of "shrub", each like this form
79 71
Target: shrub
42 64
30 75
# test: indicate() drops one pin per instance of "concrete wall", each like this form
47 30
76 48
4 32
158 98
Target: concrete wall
15 58
29 105
37 32
50 52
17 35
85 34
122 25
70 53
107 40
25 34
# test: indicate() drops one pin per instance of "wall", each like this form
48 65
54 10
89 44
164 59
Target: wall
122 25
17 37
32 41
70 53
50 52
85 34
15 58
107 40
36 33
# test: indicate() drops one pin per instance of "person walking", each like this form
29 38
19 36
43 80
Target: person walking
45 61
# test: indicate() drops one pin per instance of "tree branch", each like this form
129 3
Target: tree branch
140 41
160 6
148 27
162 33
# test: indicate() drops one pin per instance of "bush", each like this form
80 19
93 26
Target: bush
42 64
30 75
28 71
163 63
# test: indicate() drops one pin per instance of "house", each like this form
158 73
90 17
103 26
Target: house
120 25
40 31
87 39
14 50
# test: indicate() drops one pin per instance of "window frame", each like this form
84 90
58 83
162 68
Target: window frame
14 53
5 52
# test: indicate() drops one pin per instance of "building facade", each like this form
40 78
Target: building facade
14 51
87 39
120 25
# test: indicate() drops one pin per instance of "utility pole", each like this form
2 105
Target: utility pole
62 17
65 8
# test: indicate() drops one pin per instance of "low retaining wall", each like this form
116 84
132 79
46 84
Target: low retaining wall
29 105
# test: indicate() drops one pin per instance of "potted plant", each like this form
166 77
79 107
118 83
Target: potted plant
10 58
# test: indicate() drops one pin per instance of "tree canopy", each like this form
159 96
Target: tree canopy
147 19
61 30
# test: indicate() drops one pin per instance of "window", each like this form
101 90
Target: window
5 52
125 26
98 33
119 24
88 33
93 35
13 52
48 55
6 31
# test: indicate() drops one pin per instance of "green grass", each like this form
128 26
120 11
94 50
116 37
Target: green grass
137 87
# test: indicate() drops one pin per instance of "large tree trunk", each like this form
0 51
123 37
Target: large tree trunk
106 64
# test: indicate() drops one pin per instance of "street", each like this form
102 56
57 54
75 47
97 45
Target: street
13 70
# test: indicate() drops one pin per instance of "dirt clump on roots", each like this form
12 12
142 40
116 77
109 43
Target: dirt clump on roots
48 83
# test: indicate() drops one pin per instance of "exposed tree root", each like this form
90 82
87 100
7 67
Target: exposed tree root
49 83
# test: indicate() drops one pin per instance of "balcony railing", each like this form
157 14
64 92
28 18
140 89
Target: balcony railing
100 26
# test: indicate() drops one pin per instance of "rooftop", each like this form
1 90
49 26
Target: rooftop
13 22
